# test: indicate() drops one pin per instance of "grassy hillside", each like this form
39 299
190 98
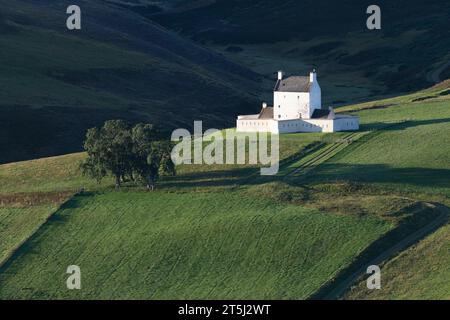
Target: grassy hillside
226 232
203 207
38 187
410 157
409 150
56 84
197 246
31 192
419 273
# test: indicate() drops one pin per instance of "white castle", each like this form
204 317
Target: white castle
297 107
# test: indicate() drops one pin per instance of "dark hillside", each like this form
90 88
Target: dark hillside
55 83
406 55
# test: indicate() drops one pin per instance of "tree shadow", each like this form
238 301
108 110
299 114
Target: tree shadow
324 173
229 176
401 125
214 178
380 173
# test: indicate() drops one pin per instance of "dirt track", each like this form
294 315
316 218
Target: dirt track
340 288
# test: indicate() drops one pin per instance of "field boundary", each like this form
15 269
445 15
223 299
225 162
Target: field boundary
339 285
17 248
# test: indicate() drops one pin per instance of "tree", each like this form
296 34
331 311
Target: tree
151 155
122 151
109 150
159 162
93 166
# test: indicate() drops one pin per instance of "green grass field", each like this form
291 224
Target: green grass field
226 232
17 223
176 246
31 190
409 158
422 272
408 152
284 235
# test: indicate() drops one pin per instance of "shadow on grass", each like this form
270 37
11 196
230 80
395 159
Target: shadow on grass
419 222
401 125
380 173
28 245
324 173
249 175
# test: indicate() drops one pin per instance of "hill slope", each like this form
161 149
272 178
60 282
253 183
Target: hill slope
353 62
56 84
193 246
419 273
249 237
408 155
236 237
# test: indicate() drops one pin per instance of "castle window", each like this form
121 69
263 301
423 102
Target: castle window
279 116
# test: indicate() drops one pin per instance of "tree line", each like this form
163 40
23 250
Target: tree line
128 153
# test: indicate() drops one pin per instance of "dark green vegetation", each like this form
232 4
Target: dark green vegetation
226 232
56 84
137 153
353 62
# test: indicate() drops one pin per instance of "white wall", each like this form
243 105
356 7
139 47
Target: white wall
315 97
308 125
300 125
257 125
346 124
290 105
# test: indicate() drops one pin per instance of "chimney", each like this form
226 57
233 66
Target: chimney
280 75
264 105
313 76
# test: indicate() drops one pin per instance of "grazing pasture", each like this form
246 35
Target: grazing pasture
226 232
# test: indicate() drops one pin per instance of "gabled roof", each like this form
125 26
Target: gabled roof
266 113
293 84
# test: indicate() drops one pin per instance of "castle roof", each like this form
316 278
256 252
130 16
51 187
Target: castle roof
293 84
266 113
